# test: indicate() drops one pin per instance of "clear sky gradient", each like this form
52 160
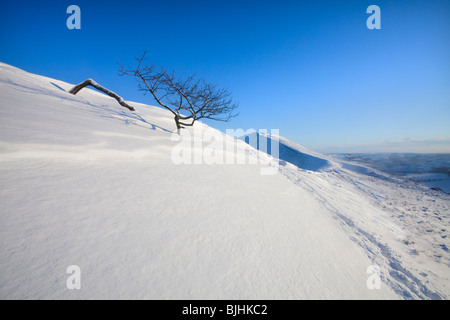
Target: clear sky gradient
311 69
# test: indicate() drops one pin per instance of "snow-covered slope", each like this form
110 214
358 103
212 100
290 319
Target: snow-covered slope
86 182
401 225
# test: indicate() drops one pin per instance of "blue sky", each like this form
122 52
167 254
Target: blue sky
311 69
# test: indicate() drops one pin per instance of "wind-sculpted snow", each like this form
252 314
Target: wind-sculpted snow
302 160
85 183
288 153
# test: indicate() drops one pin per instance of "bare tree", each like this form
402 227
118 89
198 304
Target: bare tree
188 100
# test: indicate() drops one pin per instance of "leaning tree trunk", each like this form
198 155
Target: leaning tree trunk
90 82
177 121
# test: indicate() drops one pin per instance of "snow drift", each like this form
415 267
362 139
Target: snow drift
85 182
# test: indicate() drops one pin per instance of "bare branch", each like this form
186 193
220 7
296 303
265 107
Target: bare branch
90 82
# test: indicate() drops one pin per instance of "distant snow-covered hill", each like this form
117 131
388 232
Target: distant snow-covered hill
431 170
86 182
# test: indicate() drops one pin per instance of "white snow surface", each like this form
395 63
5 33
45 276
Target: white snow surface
87 182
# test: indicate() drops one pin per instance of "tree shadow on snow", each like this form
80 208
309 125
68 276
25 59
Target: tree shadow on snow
57 86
